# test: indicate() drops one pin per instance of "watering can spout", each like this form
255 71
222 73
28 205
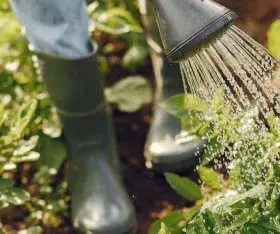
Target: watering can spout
185 25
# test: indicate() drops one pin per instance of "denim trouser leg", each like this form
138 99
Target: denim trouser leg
58 27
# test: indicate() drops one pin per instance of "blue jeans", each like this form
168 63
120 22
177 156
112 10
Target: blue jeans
57 27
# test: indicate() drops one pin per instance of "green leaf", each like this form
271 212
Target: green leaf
26 146
32 156
175 105
174 221
196 226
209 221
164 229
2 114
245 203
4 183
130 93
22 119
192 212
231 212
184 186
273 122
15 196
52 125
9 166
193 102
3 205
135 56
191 124
32 230
96 6
183 105
259 229
117 21
53 152
273 39
276 168
213 150
210 177
271 221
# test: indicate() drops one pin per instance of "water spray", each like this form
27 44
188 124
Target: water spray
213 53
230 72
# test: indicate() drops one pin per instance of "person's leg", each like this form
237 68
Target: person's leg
58 31
161 150
55 27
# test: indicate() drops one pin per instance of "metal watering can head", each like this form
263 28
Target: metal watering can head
185 25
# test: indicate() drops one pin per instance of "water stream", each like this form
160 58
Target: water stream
239 64
245 76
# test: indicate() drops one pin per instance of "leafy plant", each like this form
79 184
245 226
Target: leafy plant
130 93
164 229
175 221
250 156
15 149
31 230
210 177
11 195
184 186
116 21
120 20
254 211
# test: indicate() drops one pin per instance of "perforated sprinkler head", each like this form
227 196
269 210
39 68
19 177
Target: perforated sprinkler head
185 25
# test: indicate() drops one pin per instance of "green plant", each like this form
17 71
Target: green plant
120 20
250 155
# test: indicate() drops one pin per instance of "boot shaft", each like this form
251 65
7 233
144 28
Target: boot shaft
76 88
74 85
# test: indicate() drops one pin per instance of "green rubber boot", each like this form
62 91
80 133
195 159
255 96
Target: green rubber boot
161 151
99 203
